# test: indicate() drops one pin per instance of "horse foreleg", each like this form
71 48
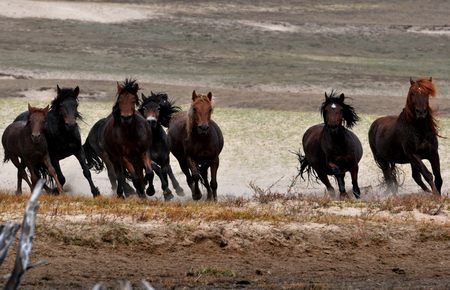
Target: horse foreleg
436 167
339 177
417 162
418 178
137 182
196 193
178 189
165 181
354 175
214 168
21 174
118 169
57 167
81 156
52 172
149 175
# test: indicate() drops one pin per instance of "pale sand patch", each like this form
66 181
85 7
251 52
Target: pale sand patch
91 12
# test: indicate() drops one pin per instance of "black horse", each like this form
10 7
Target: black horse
330 148
158 110
63 134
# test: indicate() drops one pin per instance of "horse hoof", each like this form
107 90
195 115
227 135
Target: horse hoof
168 196
150 191
179 191
197 196
95 192
357 194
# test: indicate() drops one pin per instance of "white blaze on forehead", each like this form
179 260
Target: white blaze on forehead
151 118
333 106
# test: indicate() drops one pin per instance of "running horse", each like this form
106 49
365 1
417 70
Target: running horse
158 110
63 134
196 141
126 140
409 138
25 145
330 148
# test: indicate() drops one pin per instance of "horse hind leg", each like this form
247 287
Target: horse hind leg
324 178
204 173
389 176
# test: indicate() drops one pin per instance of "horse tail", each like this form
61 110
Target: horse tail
305 167
6 158
92 158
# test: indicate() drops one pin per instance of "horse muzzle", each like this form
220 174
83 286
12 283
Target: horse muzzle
203 129
152 121
36 138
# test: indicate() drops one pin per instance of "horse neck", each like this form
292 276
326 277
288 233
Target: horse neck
422 126
334 140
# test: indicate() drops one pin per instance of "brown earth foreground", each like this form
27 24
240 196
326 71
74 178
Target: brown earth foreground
269 242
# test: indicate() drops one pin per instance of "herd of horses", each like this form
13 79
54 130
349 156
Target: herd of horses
133 144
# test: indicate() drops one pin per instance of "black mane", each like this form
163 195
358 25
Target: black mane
348 112
128 86
166 107
64 94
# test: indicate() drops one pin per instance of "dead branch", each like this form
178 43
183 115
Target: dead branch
7 236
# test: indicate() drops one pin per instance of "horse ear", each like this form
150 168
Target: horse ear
143 97
431 79
194 95
342 98
119 88
29 108
76 91
58 90
326 96
411 81
209 95
152 93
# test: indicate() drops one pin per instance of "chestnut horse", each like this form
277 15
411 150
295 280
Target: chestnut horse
126 140
409 138
24 144
332 149
196 141
158 110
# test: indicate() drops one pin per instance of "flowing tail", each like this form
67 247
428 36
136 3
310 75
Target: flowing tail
92 158
305 167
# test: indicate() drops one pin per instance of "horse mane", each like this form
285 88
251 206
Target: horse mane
128 86
190 115
423 87
166 109
62 95
348 112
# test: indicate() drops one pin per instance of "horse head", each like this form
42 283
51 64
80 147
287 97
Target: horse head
417 102
200 113
36 118
66 105
127 99
150 108
336 112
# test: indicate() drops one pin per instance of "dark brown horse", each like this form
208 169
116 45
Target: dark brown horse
332 149
25 145
409 138
196 141
126 140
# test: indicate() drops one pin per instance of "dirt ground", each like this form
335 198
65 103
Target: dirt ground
270 55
